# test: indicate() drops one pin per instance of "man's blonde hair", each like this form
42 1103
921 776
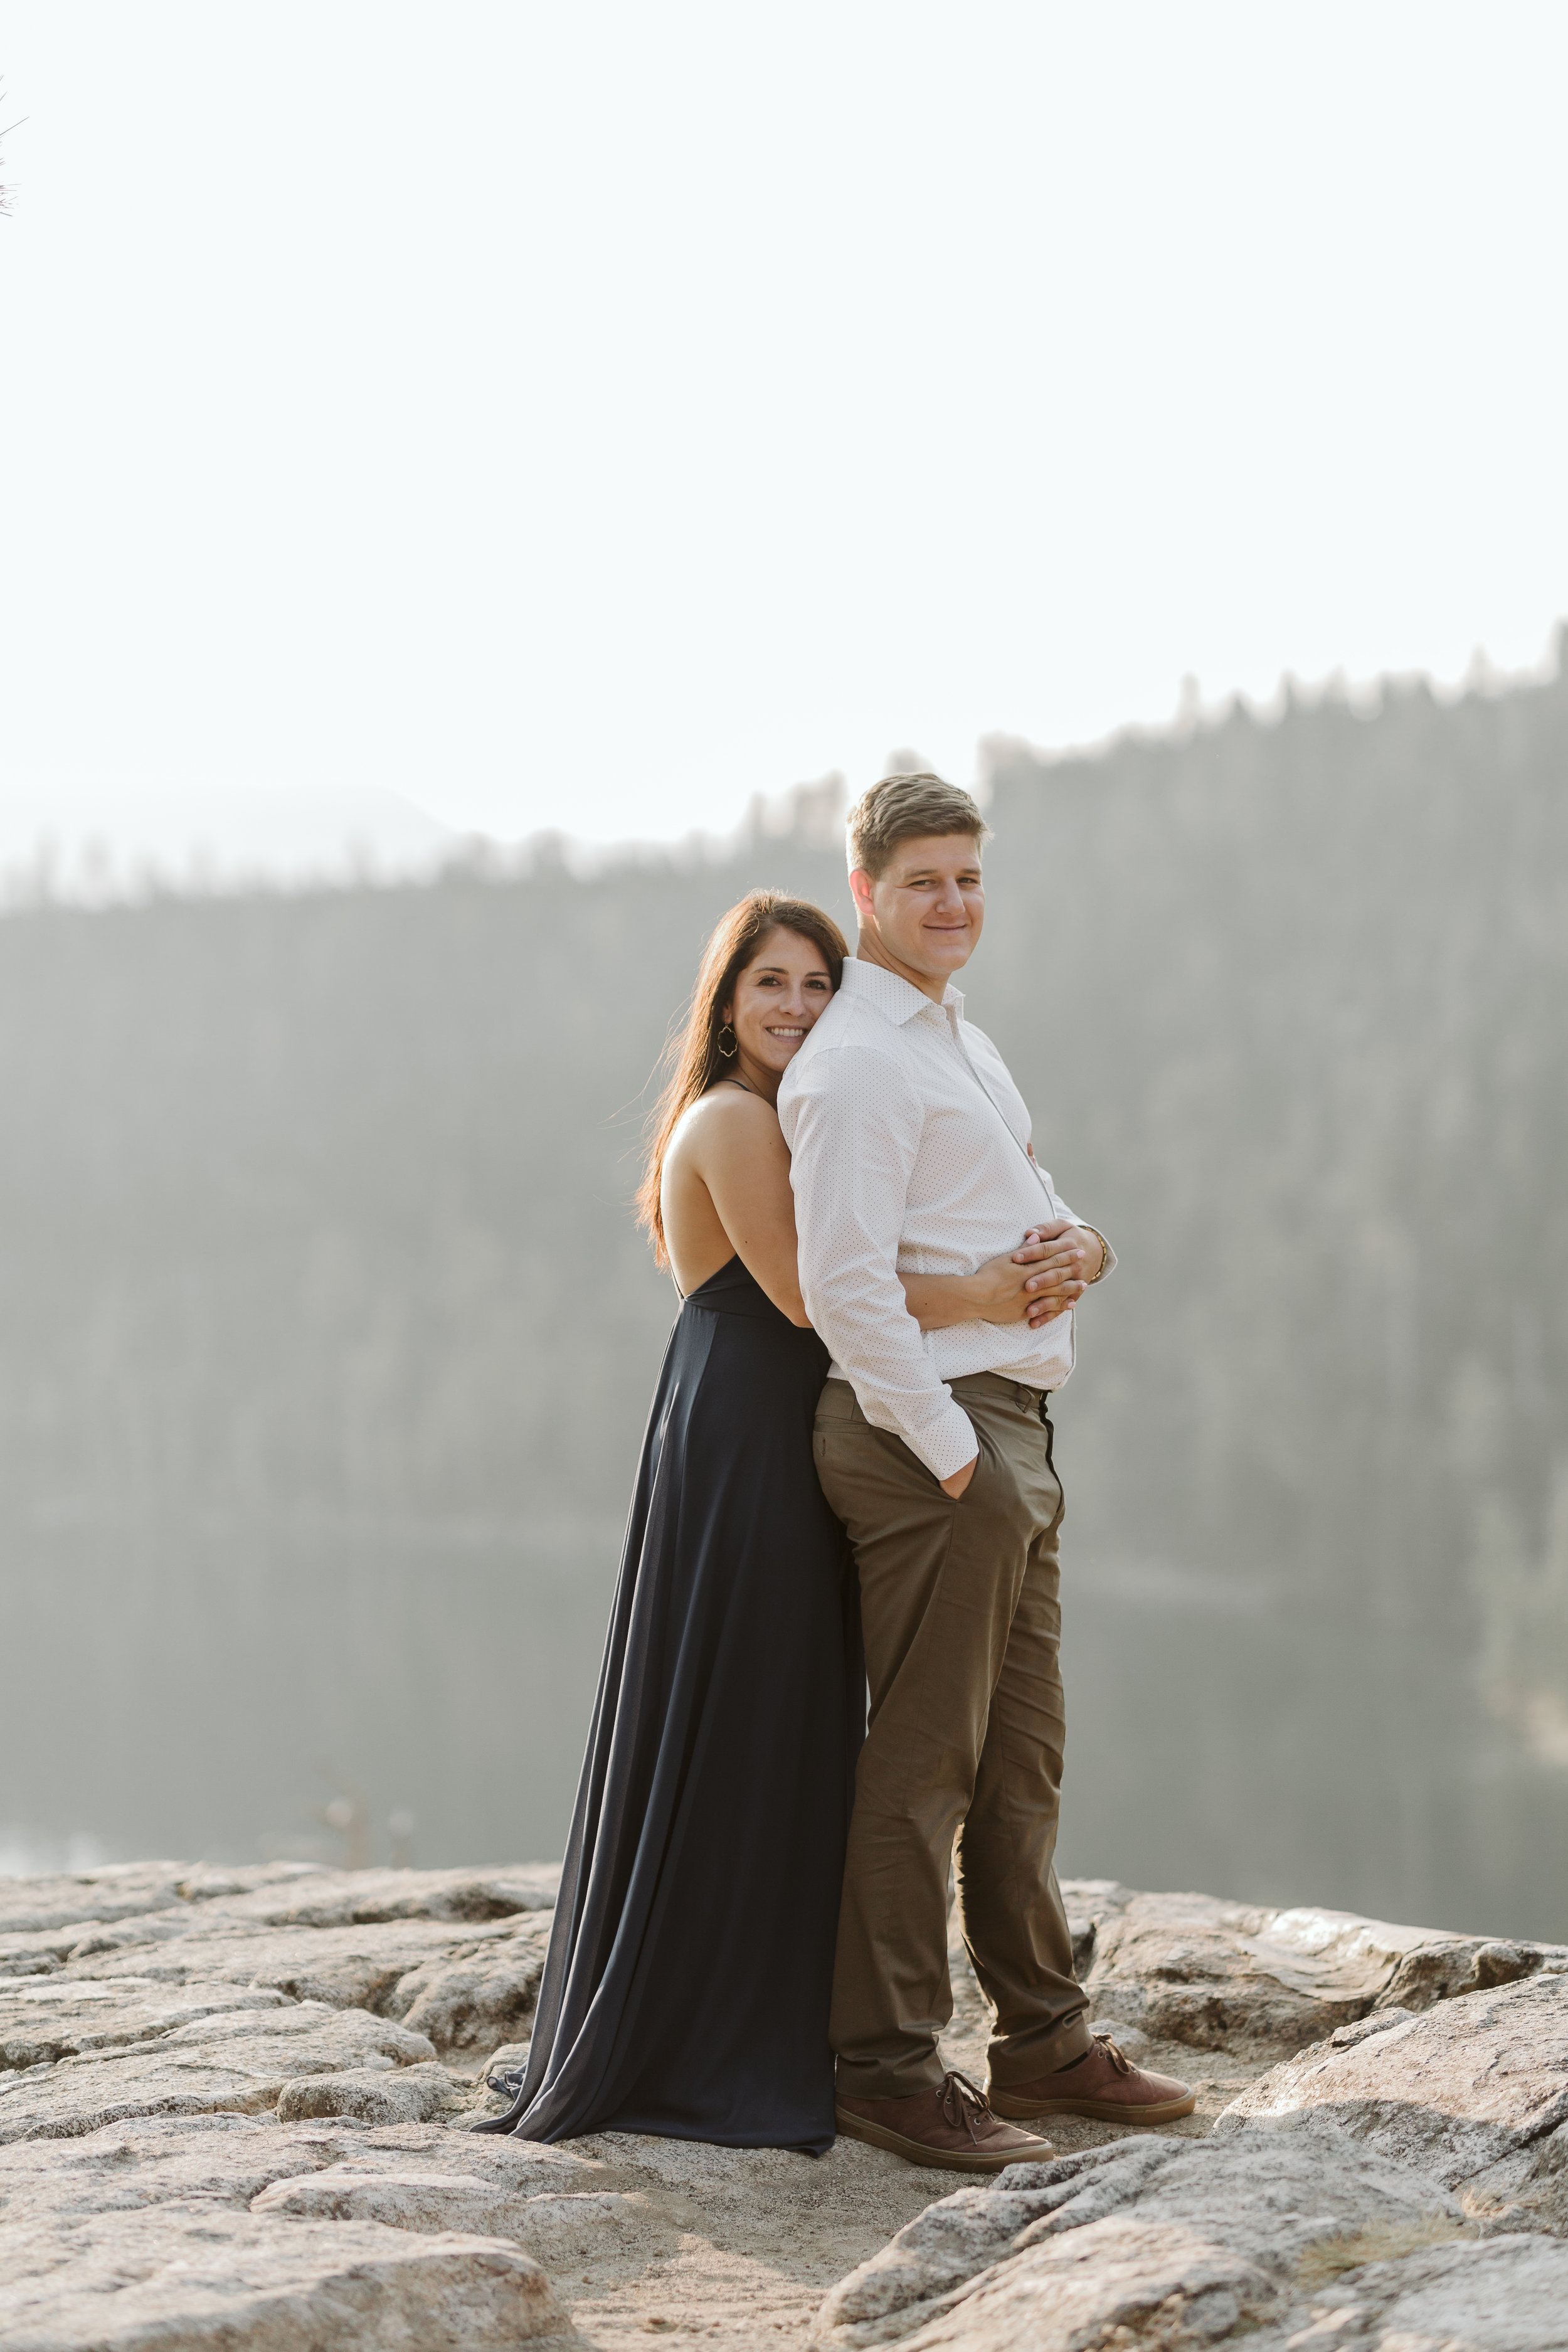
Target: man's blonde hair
908 808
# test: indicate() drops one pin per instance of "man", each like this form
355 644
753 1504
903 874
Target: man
912 1151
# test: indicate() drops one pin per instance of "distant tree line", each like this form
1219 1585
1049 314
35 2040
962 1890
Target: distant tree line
314 1243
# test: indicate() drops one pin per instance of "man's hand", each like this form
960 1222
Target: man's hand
1063 1260
960 1479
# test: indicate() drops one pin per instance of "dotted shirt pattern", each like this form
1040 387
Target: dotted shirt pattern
910 1155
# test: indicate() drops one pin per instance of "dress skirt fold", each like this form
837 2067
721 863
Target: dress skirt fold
687 1985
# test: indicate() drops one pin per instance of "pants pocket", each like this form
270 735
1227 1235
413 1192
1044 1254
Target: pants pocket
987 1463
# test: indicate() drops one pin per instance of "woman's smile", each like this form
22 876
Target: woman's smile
772 1008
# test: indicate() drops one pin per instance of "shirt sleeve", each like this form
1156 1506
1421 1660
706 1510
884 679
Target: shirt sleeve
852 1124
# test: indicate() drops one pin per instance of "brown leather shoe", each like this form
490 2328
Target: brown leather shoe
951 2128
1105 2084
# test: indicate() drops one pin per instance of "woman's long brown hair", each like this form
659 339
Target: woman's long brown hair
692 1055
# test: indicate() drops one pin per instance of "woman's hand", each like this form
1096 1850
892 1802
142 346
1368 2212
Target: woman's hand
999 1291
1048 1273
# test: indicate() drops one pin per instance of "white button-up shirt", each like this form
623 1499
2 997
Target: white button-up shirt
910 1154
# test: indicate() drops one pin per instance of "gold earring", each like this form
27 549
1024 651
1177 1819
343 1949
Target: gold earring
731 1050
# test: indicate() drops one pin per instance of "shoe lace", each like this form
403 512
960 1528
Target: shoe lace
963 2102
1118 2058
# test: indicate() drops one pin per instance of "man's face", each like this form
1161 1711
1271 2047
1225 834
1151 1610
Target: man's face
928 906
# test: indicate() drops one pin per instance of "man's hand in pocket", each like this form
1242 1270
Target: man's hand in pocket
960 1479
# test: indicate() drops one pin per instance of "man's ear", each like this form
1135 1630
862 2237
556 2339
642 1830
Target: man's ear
860 891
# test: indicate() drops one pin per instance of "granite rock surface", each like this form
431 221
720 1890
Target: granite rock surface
1214 1975
235 2110
1401 2186
183 2275
1307 2242
1220 2234
1473 2093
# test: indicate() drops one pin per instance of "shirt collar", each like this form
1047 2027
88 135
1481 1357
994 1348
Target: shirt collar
897 1000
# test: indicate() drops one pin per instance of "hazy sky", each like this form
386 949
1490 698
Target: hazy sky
592 415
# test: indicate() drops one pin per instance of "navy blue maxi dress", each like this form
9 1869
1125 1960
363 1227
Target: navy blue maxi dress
686 1988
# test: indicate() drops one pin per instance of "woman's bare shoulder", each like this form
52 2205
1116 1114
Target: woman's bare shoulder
729 1105
728 1118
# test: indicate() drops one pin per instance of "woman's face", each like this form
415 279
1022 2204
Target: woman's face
777 997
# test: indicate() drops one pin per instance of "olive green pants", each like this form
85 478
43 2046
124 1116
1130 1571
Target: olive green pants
962 1623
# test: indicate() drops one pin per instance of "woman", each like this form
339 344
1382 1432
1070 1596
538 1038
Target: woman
686 1988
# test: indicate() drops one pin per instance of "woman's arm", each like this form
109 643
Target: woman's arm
734 1148
1040 1280
995 1294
